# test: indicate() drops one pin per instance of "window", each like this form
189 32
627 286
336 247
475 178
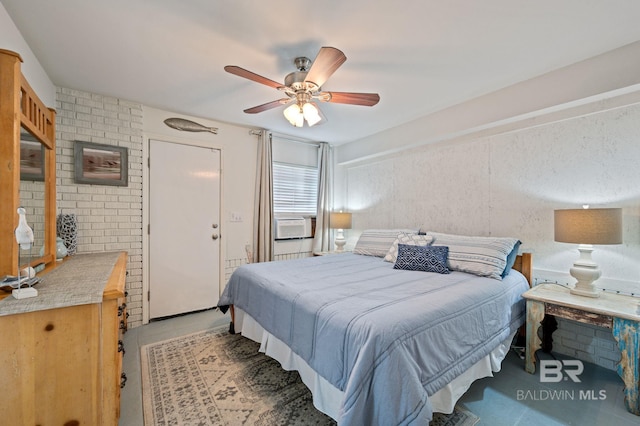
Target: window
295 189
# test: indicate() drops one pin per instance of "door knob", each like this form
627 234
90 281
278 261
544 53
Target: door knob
214 226
214 236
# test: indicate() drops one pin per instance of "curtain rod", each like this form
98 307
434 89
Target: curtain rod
289 139
256 132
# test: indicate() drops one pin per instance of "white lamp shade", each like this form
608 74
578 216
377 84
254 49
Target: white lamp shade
293 114
588 226
340 220
296 114
311 113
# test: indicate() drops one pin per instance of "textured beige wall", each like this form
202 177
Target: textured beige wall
508 184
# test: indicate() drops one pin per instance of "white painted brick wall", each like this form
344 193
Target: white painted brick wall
586 342
109 217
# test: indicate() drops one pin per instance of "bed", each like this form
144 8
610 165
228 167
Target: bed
377 343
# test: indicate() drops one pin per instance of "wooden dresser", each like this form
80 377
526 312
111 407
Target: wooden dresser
61 352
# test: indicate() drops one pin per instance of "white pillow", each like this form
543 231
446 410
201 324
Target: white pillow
409 239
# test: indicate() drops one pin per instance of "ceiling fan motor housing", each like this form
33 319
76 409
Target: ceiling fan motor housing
295 81
302 63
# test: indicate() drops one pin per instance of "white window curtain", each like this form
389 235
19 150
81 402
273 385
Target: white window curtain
263 206
322 238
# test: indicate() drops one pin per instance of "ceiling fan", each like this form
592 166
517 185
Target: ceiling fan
304 86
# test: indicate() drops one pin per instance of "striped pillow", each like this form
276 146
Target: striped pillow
376 242
409 239
483 256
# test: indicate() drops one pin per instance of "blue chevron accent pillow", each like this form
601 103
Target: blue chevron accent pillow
422 258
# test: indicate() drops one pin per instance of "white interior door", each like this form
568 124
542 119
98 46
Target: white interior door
184 228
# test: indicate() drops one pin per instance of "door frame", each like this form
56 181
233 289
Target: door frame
145 212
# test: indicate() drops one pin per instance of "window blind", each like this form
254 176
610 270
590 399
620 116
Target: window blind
295 189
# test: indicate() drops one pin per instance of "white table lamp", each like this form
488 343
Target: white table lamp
587 227
340 221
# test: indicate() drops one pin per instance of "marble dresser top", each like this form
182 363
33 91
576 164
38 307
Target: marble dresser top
79 280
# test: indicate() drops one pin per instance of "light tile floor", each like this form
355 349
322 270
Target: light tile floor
514 397
511 398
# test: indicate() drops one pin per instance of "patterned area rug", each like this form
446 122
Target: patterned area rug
215 378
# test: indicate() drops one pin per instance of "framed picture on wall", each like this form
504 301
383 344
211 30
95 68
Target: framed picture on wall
31 158
100 164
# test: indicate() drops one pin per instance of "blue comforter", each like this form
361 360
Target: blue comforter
387 338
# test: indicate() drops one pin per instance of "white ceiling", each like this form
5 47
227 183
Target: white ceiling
420 56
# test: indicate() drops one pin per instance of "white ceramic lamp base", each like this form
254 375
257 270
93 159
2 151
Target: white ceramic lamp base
586 271
340 241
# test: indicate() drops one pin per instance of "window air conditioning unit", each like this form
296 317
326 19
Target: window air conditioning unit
290 227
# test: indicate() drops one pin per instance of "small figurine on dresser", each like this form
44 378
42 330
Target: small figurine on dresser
26 277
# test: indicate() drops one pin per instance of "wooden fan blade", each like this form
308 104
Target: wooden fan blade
326 63
364 99
268 105
241 72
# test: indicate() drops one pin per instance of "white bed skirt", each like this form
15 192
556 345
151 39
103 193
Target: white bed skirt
327 398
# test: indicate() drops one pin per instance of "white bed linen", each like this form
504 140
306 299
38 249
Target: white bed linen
327 398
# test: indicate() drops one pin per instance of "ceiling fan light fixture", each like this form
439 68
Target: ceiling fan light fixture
294 115
311 114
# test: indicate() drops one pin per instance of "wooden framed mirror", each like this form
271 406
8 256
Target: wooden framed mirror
23 113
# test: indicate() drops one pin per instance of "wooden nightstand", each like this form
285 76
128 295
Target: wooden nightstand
617 312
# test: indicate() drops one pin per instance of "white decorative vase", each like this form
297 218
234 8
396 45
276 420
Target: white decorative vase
61 249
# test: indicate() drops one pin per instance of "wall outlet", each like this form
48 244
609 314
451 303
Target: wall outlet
236 217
